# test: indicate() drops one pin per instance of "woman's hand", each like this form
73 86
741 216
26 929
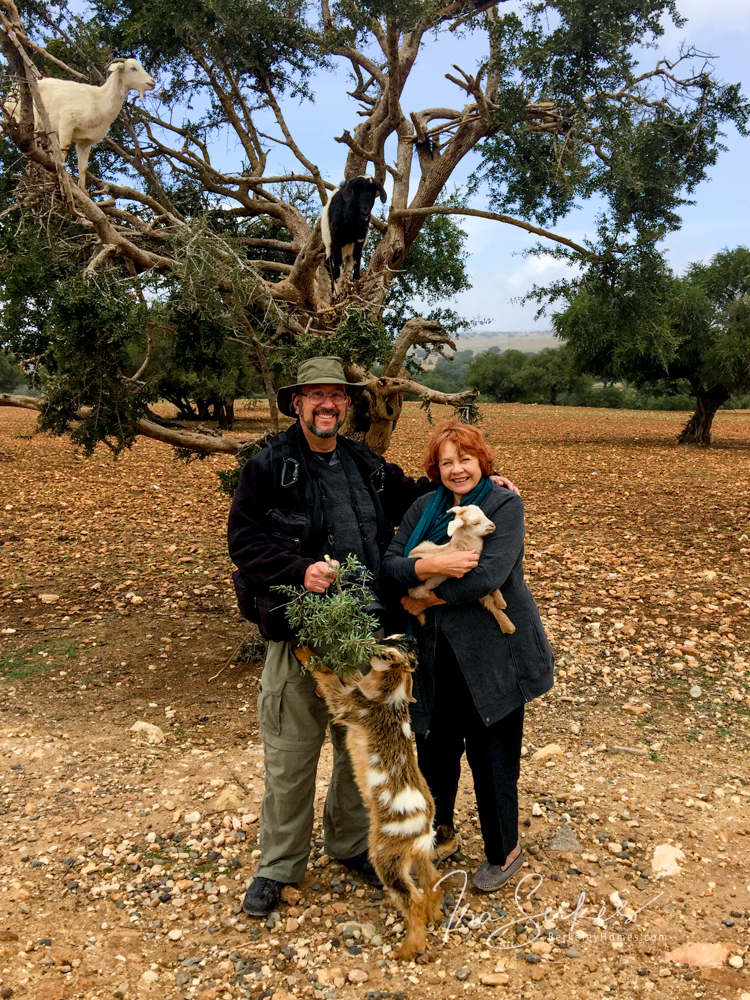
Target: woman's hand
455 564
415 607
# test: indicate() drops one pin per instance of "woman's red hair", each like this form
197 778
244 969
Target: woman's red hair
467 440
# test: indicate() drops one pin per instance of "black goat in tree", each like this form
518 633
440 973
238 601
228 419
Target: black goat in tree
345 223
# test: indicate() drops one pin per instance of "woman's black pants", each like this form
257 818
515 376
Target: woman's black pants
493 752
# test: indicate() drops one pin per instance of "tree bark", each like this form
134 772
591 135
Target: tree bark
207 444
707 401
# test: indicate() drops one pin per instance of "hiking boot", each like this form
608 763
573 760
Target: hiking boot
362 865
262 896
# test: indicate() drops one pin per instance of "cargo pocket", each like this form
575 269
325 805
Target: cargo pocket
269 707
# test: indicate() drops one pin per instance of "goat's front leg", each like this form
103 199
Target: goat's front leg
335 694
83 150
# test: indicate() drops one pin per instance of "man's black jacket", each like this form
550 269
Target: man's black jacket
276 525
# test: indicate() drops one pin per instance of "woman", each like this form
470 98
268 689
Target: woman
473 680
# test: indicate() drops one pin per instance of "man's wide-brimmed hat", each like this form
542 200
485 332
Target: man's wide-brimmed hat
325 371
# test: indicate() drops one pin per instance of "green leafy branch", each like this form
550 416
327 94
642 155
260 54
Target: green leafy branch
336 625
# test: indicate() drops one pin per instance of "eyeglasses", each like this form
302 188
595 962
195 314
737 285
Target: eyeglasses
318 397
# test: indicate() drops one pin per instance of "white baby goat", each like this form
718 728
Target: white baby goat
83 114
466 531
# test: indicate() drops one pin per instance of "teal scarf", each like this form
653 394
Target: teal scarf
433 524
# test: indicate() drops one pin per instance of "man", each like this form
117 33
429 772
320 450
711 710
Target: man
310 493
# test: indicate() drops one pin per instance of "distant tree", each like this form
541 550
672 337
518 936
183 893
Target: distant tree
499 377
645 325
548 374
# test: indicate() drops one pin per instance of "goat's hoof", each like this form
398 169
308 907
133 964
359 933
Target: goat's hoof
424 957
406 954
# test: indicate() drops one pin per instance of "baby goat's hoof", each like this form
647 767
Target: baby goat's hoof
424 957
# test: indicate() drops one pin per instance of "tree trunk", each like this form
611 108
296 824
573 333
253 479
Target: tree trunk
373 417
224 412
698 428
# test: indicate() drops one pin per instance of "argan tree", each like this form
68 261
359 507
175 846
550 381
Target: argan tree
555 111
693 331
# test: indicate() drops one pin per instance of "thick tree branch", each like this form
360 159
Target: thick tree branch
415 331
206 444
494 216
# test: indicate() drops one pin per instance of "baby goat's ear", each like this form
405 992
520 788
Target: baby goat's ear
457 520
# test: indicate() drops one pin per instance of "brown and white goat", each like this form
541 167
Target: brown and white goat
375 711
465 532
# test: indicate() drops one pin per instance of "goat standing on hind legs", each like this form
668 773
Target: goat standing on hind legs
375 711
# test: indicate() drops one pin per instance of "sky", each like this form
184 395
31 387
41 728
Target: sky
498 270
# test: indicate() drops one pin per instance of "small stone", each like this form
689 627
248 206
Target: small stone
191 818
462 975
49 598
571 953
613 847
149 976
291 895
532 958
358 976
494 979
736 961
563 839
228 798
175 935
6 993
695 691
551 750
641 884
153 733
182 977
728 922
121 990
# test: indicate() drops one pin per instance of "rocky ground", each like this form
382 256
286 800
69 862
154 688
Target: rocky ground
124 861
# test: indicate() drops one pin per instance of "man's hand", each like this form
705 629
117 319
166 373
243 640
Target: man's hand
502 481
415 607
320 576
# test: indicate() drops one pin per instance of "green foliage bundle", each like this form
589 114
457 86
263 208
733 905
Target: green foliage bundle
336 625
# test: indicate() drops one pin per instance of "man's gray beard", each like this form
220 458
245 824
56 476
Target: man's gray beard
310 424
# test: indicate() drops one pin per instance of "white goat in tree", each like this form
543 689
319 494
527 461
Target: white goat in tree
83 114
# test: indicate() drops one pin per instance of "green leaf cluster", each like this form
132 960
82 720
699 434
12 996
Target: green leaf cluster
576 118
358 338
336 625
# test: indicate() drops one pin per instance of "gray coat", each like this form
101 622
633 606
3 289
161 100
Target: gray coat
502 671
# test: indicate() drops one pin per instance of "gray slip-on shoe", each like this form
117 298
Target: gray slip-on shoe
489 878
